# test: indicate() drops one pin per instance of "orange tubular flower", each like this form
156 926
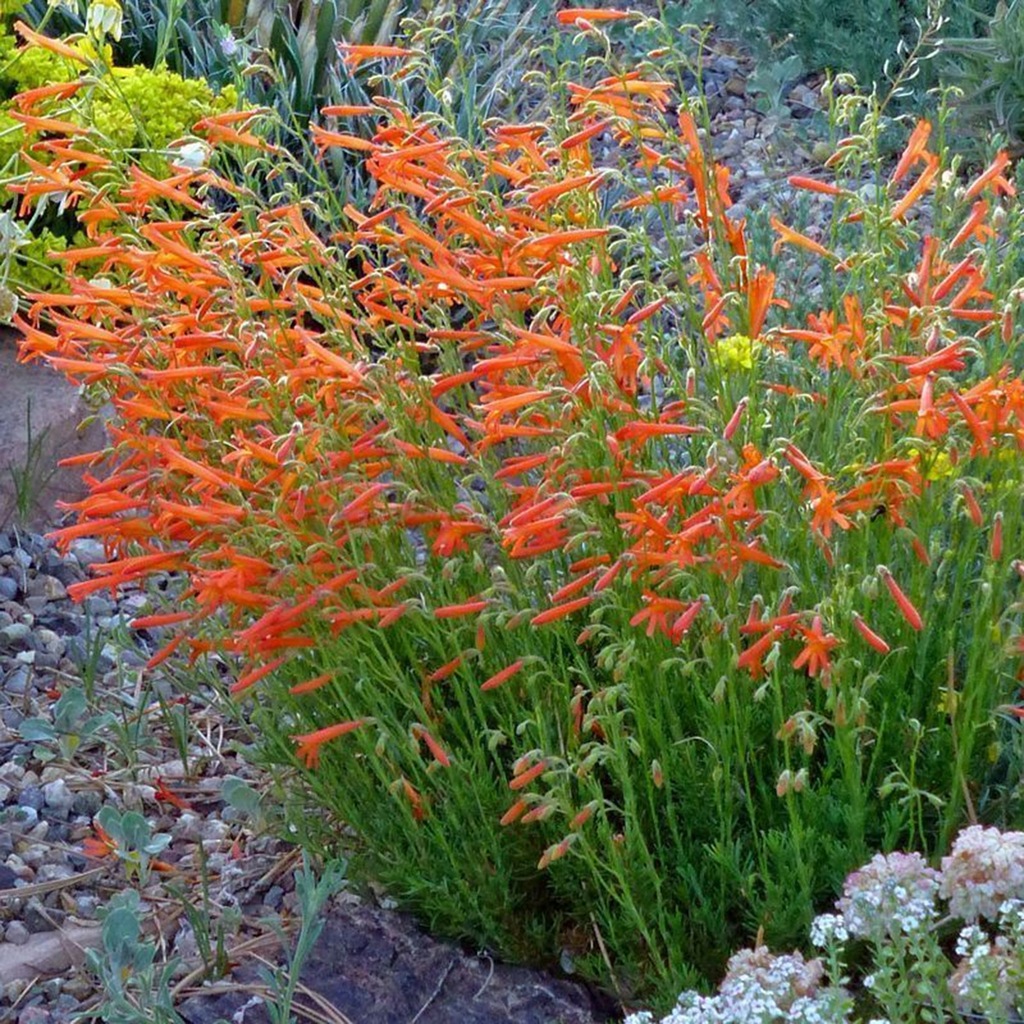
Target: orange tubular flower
817 645
907 609
53 45
752 659
309 743
826 514
914 152
973 508
872 638
99 846
918 189
788 236
993 176
503 676
514 813
354 54
560 611
814 185
437 751
573 14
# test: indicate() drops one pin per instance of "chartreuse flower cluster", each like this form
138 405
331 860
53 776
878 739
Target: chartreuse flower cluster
128 107
600 582
125 108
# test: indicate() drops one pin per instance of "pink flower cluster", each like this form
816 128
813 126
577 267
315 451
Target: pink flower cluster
985 868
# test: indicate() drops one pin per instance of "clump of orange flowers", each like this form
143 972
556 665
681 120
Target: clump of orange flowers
460 466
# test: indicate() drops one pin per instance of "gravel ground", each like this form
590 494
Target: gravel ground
79 731
56 773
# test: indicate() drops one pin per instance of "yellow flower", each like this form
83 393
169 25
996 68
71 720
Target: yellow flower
736 352
940 468
948 702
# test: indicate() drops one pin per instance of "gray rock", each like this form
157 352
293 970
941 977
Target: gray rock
87 551
16 637
8 588
32 796
21 819
213 830
12 718
87 802
67 1007
38 918
16 933
37 855
87 905
58 798
35 1015
11 771
54 872
49 642
16 680
78 986
186 827
96 605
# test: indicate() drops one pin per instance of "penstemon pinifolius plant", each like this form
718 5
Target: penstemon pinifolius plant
621 583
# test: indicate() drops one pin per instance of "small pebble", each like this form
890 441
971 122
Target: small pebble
38 919
58 798
86 802
16 933
35 1015
32 796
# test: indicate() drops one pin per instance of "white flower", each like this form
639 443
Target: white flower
104 18
762 988
12 234
192 156
890 895
984 869
827 929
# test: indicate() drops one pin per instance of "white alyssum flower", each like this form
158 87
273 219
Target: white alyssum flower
984 869
989 980
761 988
827 929
892 894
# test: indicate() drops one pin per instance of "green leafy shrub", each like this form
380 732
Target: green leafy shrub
989 69
621 581
859 38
